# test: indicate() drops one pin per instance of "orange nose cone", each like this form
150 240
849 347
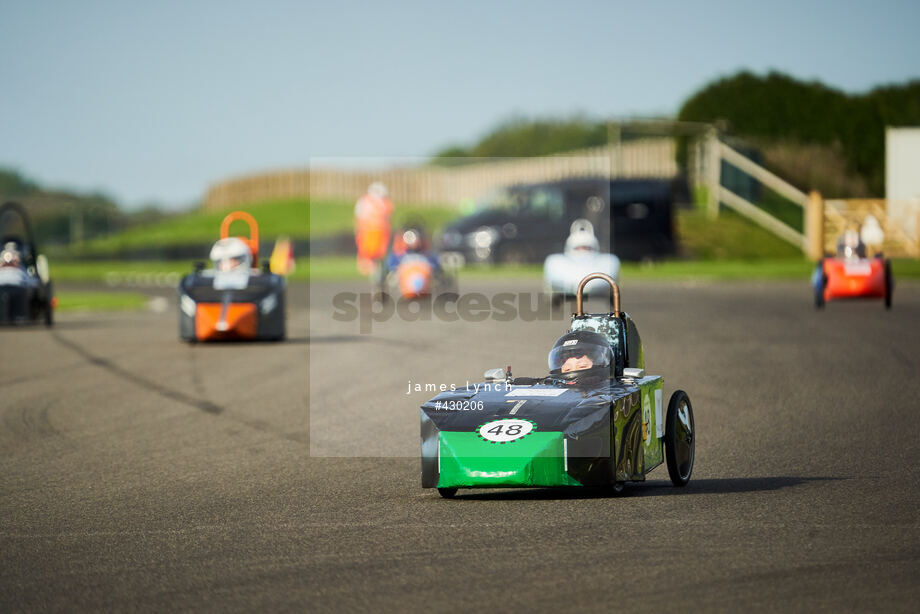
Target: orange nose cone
214 321
414 278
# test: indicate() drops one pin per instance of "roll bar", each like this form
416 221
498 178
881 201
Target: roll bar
253 239
614 292
21 212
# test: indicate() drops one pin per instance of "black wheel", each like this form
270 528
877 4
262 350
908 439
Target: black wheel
49 314
447 493
617 488
822 283
889 284
679 438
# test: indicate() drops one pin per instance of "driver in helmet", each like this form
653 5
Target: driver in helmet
850 245
581 354
411 240
10 256
581 238
231 255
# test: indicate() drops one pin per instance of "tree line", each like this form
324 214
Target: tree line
62 217
765 109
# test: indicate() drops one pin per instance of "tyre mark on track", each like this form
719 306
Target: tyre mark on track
29 422
197 382
174 395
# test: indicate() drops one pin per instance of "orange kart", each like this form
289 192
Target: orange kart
233 300
837 278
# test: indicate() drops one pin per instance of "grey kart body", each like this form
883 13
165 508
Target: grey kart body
563 272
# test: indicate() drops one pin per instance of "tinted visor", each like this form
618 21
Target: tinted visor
581 355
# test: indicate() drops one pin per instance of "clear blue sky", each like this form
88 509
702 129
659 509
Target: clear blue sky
154 100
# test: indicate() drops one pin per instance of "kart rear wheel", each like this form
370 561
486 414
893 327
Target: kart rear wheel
822 284
617 488
889 284
679 438
447 493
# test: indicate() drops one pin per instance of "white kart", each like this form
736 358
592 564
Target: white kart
582 256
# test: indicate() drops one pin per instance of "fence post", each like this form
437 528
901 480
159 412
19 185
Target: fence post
714 173
814 226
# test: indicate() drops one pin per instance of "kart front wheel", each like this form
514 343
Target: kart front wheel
889 284
679 438
447 493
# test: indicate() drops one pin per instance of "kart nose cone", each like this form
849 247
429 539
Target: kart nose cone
535 460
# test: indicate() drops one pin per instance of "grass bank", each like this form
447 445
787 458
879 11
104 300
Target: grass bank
298 218
168 272
100 301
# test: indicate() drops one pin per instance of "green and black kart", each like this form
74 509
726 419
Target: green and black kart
596 420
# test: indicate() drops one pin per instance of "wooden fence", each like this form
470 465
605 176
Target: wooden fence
824 221
708 156
426 184
839 215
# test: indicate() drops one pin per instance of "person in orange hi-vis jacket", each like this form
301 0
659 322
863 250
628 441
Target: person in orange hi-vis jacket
372 227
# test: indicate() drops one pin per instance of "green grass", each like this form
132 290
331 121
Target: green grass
296 218
733 235
783 209
722 270
729 237
100 301
729 247
342 268
101 270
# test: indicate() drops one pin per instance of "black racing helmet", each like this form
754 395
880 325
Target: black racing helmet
581 353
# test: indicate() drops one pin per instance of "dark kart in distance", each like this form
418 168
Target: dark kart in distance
597 419
234 300
26 292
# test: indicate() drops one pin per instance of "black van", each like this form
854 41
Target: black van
526 223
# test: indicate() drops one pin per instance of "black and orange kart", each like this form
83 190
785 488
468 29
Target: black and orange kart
234 300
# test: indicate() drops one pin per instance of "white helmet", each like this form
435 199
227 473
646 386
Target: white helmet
581 237
231 254
10 255
377 189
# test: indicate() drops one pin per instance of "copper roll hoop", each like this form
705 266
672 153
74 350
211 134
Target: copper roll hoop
614 293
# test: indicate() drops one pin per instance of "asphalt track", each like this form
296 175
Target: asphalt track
139 473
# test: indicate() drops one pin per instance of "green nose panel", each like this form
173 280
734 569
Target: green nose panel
535 460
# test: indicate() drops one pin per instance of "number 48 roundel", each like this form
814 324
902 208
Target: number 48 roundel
506 430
